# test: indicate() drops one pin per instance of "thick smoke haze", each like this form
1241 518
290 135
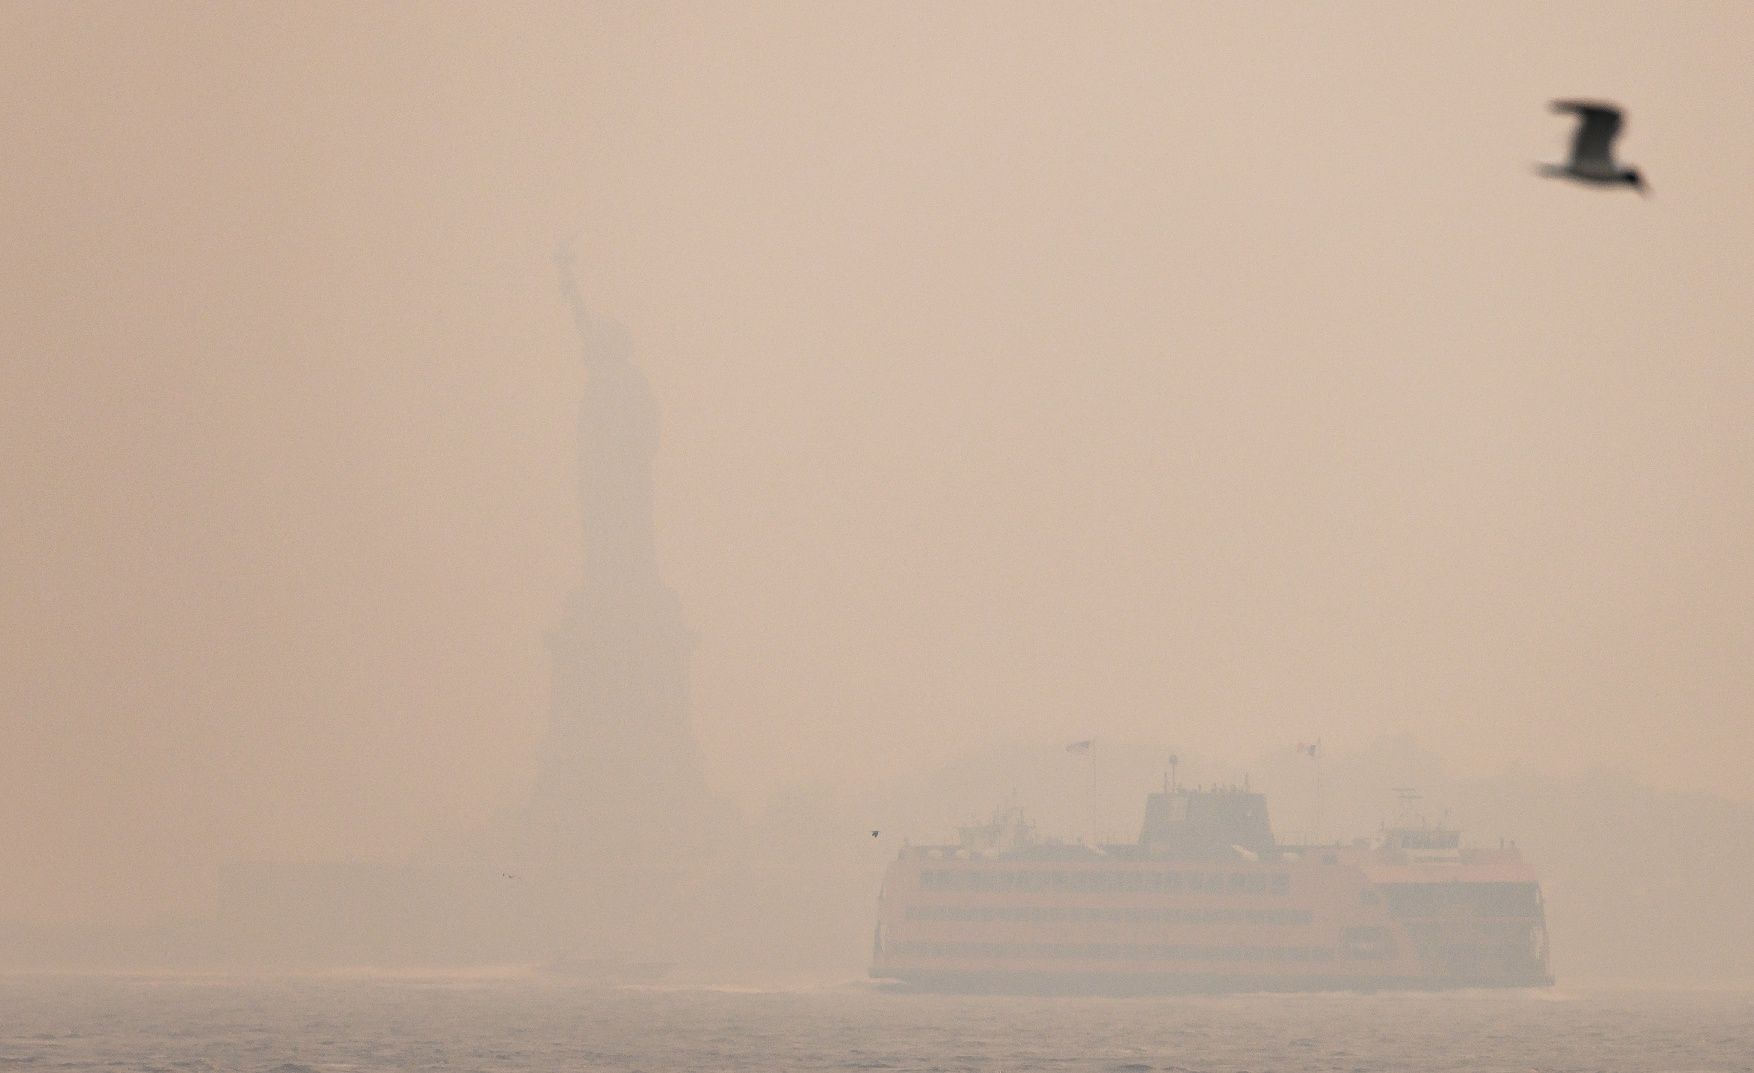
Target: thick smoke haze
1196 378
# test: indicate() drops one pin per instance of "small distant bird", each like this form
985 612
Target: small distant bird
1592 148
508 875
873 834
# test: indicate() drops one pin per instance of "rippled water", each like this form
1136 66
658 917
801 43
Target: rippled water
170 1025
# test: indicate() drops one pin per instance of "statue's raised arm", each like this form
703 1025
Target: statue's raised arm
602 342
569 289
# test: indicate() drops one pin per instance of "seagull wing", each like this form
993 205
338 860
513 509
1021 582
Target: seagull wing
1593 146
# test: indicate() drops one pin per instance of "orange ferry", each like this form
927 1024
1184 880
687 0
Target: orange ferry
1206 900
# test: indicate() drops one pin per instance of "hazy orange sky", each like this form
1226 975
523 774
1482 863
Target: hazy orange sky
1216 376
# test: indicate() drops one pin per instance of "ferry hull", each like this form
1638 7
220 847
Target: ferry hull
1124 984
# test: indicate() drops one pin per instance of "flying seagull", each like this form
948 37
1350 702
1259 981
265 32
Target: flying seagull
1592 148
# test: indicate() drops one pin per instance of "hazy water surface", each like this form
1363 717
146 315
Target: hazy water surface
295 1025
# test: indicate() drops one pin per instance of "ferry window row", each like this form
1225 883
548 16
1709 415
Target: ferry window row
1107 882
1094 914
1107 952
1476 899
